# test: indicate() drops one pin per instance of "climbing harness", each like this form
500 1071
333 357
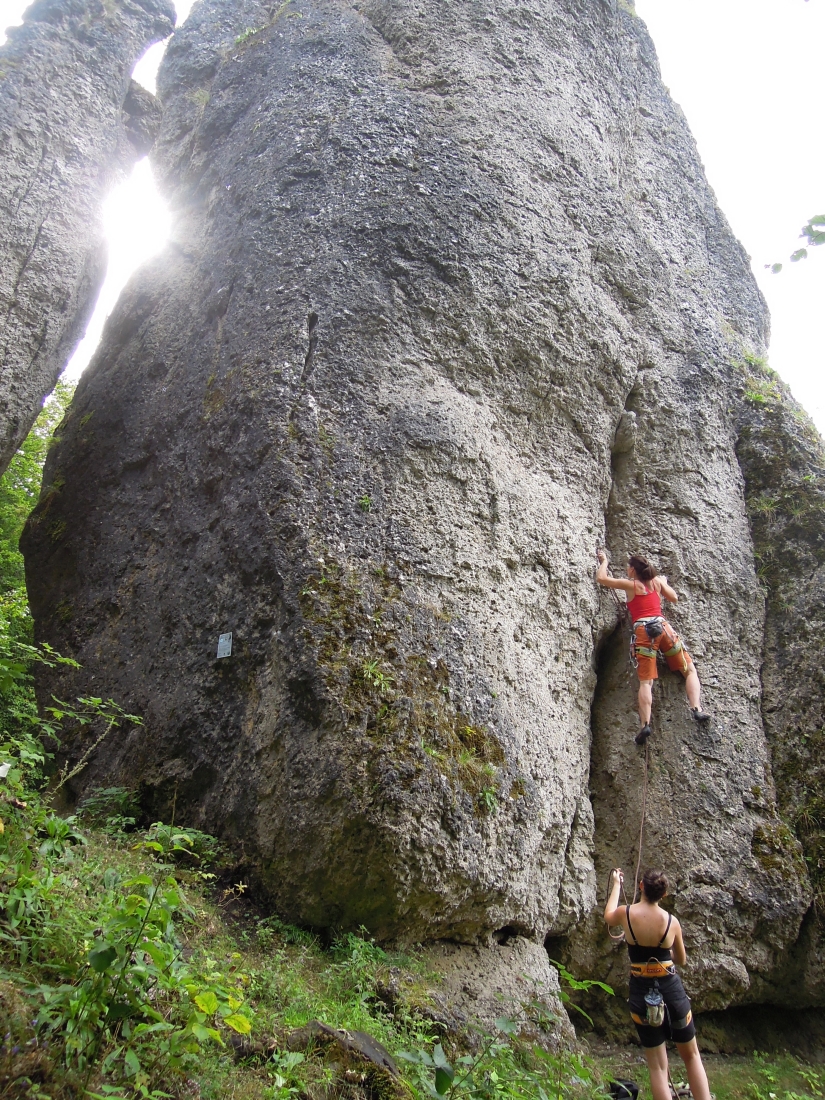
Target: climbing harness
654 628
653 968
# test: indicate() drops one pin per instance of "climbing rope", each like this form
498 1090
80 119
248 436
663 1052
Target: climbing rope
620 937
624 617
642 826
677 1093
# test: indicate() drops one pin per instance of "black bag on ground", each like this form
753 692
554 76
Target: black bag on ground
624 1090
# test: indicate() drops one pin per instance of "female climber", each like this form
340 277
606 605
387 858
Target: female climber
659 1005
652 633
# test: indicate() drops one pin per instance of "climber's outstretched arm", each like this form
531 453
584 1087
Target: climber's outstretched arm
624 583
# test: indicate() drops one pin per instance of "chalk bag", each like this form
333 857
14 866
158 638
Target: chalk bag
654 1007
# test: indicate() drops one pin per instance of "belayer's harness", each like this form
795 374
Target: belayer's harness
654 968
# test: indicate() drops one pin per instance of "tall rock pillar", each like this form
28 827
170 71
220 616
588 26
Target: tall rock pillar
448 302
71 124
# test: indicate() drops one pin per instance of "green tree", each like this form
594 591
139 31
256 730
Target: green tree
19 490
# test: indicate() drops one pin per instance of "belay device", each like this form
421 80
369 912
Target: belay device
654 1007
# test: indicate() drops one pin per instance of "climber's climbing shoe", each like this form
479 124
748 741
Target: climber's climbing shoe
643 734
699 714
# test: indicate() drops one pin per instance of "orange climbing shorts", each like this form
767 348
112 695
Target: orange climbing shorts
669 644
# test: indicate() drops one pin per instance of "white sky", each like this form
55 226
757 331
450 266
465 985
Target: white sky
747 74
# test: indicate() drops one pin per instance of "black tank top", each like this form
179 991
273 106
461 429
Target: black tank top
639 953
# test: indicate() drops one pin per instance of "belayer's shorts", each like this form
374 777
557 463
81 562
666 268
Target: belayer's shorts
669 644
678 1024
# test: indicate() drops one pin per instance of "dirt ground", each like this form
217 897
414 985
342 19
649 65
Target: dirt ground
756 1076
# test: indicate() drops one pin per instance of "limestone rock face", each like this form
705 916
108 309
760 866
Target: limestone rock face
513 979
72 122
782 458
449 303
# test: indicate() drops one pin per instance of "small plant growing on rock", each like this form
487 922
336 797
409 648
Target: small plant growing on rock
372 674
245 36
489 800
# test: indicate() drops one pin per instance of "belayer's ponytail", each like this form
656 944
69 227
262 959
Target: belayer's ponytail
655 884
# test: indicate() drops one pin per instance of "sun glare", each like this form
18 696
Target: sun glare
136 224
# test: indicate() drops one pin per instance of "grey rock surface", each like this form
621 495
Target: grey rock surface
72 122
448 304
513 979
781 455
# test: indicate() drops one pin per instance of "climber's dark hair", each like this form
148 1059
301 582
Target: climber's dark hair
655 884
642 567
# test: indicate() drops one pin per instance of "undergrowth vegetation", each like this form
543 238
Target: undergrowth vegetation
126 970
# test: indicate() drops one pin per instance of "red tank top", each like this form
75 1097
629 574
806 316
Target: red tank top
645 606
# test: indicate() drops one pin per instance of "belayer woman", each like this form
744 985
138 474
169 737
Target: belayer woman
659 1005
652 634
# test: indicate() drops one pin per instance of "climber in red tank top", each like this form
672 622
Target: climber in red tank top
652 634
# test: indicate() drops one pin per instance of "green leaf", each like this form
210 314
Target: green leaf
439 1057
207 1002
507 1026
102 957
132 1063
238 1023
443 1080
800 254
583 1013
775 268
204 1034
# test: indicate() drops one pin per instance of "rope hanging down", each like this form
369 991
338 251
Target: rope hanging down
624 617
620 937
